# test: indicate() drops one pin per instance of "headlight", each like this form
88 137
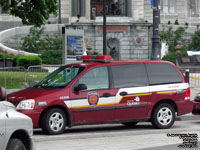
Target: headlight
26 104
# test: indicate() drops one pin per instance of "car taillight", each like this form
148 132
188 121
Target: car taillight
187 94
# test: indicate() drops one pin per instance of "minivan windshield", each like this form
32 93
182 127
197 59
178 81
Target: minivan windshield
60 77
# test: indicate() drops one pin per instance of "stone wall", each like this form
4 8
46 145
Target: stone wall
134 39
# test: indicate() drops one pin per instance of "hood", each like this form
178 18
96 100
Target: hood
29 93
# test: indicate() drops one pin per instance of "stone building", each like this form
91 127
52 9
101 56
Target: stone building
129 23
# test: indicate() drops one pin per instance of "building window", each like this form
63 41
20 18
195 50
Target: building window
168 6
4 8
78 7
113 8
193 8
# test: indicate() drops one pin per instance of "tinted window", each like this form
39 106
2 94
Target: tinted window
129 75
162 74
96 78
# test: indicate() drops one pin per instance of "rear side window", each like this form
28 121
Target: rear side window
133 75
163 74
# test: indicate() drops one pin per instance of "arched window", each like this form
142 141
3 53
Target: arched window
113 8
78 7
193 8
168 6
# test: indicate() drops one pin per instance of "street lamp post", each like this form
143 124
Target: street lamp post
104 27
59 15
156 52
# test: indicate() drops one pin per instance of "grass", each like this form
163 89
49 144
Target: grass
13 80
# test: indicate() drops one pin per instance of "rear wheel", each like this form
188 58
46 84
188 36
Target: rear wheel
15 144
130 124
54 121
163 116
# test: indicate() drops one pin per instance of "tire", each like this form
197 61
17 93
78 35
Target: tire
54 121
15 144
130 124
163 116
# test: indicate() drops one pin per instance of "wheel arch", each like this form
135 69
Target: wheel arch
64 109
23 136
168 101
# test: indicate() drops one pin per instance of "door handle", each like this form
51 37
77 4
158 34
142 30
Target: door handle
123 93
106 95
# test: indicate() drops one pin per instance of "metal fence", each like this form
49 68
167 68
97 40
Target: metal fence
12 77
19 77
193 77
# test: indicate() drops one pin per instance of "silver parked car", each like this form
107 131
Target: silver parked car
16 129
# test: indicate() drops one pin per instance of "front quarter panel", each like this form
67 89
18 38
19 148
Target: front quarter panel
18 121
2 126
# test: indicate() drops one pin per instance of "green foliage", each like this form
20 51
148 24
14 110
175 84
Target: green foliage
32 12
171 56
27 61
92 53
36 41
2 55
173 38
52 57
195 43
33 42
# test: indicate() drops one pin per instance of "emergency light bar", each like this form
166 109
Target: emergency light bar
98 58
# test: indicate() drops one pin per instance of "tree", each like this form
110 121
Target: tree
32 12
195 44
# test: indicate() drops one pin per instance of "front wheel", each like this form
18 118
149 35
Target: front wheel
54 121
163 116
15 144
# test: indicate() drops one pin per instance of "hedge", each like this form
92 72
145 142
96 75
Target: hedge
51 57
27 61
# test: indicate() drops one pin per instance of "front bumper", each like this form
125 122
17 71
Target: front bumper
34 115
196 108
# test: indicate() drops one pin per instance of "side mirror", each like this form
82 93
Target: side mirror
80 87
2 94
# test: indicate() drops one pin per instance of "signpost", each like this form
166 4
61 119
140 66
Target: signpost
73 45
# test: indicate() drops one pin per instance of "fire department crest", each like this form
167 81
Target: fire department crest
93 98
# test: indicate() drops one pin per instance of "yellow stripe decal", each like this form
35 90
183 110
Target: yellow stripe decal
165 92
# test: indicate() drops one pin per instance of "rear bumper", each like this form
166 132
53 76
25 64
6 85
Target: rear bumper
196 108
185 107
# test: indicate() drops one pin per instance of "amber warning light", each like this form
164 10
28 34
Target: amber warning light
98 58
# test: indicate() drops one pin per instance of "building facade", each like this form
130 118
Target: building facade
129 22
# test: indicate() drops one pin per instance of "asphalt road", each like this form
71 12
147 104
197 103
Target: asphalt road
119 137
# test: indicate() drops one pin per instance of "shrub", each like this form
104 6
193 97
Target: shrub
27 61
2 55
171 56
37 41
195 44
51 57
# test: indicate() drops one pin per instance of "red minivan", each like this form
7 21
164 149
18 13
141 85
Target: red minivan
100 90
